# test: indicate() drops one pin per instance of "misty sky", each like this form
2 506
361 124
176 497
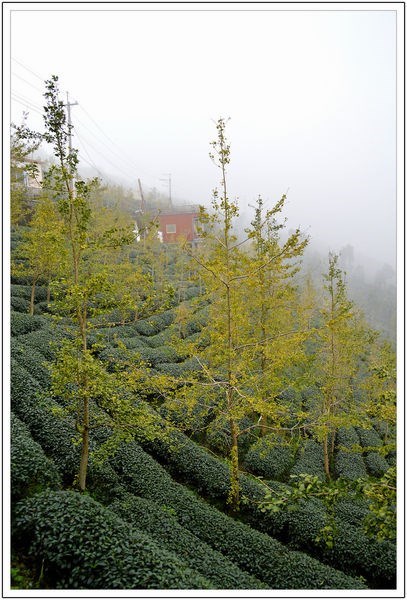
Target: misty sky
311 96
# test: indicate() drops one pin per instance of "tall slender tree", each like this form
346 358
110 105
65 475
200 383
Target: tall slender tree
237 283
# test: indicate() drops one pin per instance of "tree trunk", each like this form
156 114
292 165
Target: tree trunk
234 494
48 294
326 457
31 311
83 467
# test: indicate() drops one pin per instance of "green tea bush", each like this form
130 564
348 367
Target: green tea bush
369 437
83 545
20 305
270 458
160 523
156 356
42 308
31 470
250 550
310 460
179 370
112 356
24 323
150 356
20 291
155 323
21 280
352 510
160 339
134 342
24 388
191 292
146 327
54 434
348 464
43 340
194 466
376 464
32 360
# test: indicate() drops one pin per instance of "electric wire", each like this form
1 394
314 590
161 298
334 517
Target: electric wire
26 81
26 103
89 161
27 69
121 155
129 178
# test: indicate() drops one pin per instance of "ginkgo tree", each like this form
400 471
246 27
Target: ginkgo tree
84 290
42 254
237 279
341 339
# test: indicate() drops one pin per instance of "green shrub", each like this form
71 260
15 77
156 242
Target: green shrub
54 434
160 339
352 510
32 360
20 291
155 324
252 551
369 437
134 343
270 458
42 308
24 388
160 523
191 292
20 305
376 464
156 356
43 340
194 466
191 464
348 464
24 323
179 370
83 545
31 470
23 280
310 460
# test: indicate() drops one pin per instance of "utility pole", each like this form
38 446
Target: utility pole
143 204
68 111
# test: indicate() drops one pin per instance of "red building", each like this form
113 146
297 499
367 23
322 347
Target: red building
179 223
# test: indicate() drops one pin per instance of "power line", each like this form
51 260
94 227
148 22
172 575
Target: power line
122 154
27 69
25 103
109 161
25 80
88 155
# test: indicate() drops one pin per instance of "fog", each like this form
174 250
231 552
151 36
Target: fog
311 97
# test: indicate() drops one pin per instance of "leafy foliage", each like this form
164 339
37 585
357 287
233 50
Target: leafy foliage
160 522
50 526
31 470
252 551
270 458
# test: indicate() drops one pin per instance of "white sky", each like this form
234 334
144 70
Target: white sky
311 95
